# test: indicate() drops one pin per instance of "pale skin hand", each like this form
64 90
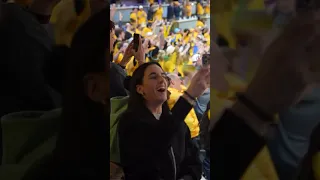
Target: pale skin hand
129 52
112 11
200 82
127 55
140 54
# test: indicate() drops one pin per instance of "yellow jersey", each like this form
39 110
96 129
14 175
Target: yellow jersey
158 14
142 17
133 16
191 119
200 10
66 22
188 10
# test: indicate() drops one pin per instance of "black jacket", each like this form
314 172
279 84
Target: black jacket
158 149
234 145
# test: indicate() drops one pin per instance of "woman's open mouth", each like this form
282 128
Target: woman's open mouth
161 89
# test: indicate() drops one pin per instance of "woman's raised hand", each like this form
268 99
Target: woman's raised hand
200 82
140 54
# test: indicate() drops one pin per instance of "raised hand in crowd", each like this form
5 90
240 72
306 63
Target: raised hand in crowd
200 82
129 52
113 11
139 55
120 16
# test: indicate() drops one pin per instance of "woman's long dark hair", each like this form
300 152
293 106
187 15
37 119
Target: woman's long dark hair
84 124
136 100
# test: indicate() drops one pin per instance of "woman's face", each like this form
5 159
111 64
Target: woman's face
112 39
154 86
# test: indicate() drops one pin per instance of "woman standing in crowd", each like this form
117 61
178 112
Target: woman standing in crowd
154 141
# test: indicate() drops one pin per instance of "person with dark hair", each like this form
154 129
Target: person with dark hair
81 147
120 33
176 10
154 142
25 46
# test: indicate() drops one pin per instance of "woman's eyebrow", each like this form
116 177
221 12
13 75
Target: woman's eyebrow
153 73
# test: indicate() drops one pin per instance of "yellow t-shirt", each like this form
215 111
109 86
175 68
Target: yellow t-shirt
188 10
138 32
158 14
130 67
207 9
207 37
316 166
199 24
191 120
142 17
133 16
168 66
261 167
66 22
186 39
200 10
119 59
178 37
145 31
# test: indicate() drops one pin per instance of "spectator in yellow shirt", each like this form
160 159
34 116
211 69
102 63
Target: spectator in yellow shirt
65 21
142 16
176 89
200 23
133 15
147 29
159 13
207 9
206 35
188 9
200 10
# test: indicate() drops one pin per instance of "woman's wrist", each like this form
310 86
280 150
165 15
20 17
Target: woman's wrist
259 126
124 60
260 99
188 99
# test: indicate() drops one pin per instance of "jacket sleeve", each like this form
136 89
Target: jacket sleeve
191 167
233 146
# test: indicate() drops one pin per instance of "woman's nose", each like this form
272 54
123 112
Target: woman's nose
161 79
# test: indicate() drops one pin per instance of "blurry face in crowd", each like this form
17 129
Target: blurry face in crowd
122 35
154 86
175 81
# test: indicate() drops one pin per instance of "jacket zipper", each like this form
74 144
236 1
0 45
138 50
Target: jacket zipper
174 163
